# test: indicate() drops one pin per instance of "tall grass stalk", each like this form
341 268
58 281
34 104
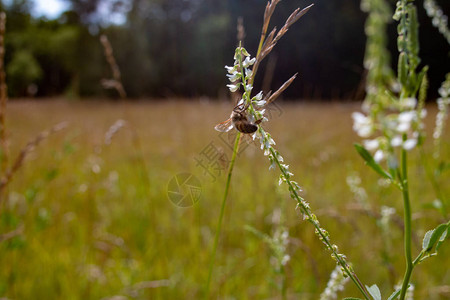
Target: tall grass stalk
3 98
222 211
242 77
116 81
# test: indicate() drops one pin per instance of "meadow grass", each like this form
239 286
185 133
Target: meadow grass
96 220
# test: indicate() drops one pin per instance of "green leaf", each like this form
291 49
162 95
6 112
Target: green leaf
413 38
426 239
403 69
443 237
371 162
434 236
395 294
352 298
374 291
422 84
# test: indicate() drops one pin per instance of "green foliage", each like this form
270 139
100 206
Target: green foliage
22 71
116 233
368 158
176 47
434 238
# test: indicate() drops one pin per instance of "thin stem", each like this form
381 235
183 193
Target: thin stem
407 220
222 210
324 238
283 284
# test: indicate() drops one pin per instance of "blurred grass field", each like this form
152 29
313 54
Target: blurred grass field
97 223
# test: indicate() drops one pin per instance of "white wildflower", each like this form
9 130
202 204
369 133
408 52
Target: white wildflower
231 70
408 103
396 141
233 87
379 155
371 145
409 144
248 72
233 77
285 259
362 125
335 284
248 62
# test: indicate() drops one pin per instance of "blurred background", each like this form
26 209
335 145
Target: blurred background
178 48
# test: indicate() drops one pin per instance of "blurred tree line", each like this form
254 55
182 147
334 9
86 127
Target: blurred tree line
168 48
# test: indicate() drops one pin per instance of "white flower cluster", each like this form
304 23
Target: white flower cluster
279 243
235 74
443 102
439 20
240 75
334 285
399 126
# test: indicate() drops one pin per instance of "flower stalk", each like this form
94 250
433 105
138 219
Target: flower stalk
222 210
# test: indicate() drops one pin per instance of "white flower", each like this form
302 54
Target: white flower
230 70
248 62
404 120
409 144
406 116
258 96
396 141
371 144
233 87
234 77
260 103
285 259
379 155
248 72
423 113
362 124
408 103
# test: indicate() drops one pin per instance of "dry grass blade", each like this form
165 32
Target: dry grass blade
113 130
6 179
281 89
267 44
294 17
12 234
3 95
116 81
270 8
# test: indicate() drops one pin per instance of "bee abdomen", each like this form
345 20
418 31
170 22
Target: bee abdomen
246 127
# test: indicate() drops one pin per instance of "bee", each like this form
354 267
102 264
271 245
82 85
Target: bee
239 120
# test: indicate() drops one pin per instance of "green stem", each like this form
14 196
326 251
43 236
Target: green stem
407 220
319 230
222 210
283 284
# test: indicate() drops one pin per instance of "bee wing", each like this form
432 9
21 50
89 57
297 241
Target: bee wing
225 126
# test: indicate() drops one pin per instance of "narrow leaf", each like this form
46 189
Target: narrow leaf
395 294
371 162
352 298
403 69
